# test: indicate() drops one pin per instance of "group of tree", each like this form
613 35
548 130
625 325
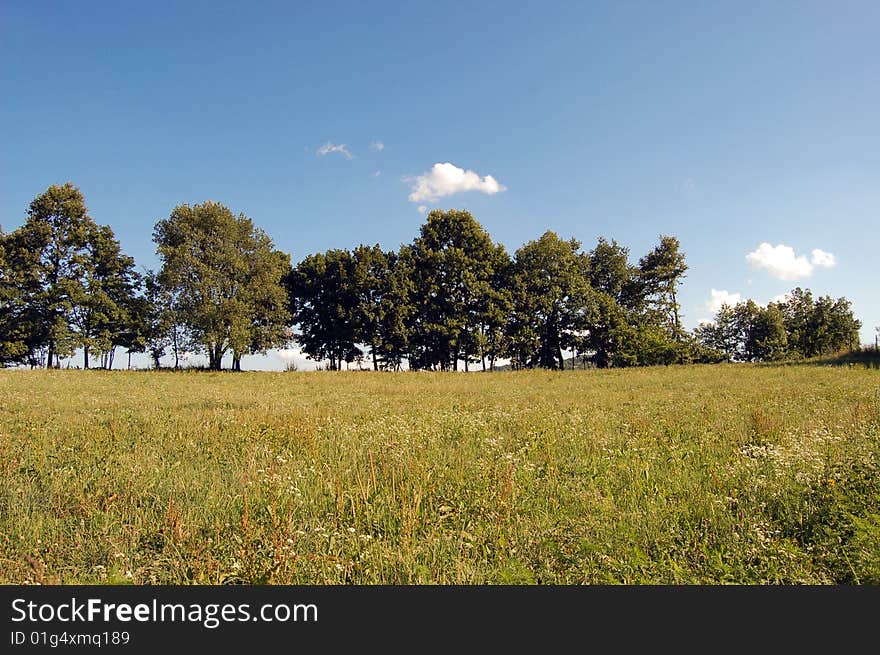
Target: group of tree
455 298
450 298
65 285
797 327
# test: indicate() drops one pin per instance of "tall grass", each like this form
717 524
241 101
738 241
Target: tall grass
721 474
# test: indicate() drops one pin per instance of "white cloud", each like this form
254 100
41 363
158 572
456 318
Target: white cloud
448 179
705 321
780 261
330 147
719 298
782 297
377 173
422 209
823 259
378 146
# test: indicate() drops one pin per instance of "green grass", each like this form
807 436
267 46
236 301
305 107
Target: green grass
866 356
712 474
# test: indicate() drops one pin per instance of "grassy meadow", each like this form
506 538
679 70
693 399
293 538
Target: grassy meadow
703 474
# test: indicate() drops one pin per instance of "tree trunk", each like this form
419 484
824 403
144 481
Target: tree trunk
85 357
50 354
110 358
129 360
373 352
674 311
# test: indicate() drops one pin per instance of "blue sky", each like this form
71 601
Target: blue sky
728 126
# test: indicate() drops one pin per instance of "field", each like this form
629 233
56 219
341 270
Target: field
712 474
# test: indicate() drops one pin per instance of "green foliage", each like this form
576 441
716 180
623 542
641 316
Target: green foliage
328 306
105 309
163 322
661 272
453 264
223 277
451 296
819 327
20 329
65 284
551 296
799 327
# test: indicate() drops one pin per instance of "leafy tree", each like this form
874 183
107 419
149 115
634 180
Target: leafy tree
800 326
797 311
609 335
262 322
722 334
611 273
66 283
22 332
225 278
395 310
818 327
164 323
761 332
620 334
452 269
103 302
325 306
134 332
56 234
551 300
377 299
495 309
767 339
661 273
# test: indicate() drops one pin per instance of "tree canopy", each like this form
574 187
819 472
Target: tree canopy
450 298
226 281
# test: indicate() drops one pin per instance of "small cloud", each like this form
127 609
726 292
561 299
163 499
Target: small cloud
823 259
705 321
377 146
377 173
448 179
719 298
780 261
422 209
330 147
782 297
